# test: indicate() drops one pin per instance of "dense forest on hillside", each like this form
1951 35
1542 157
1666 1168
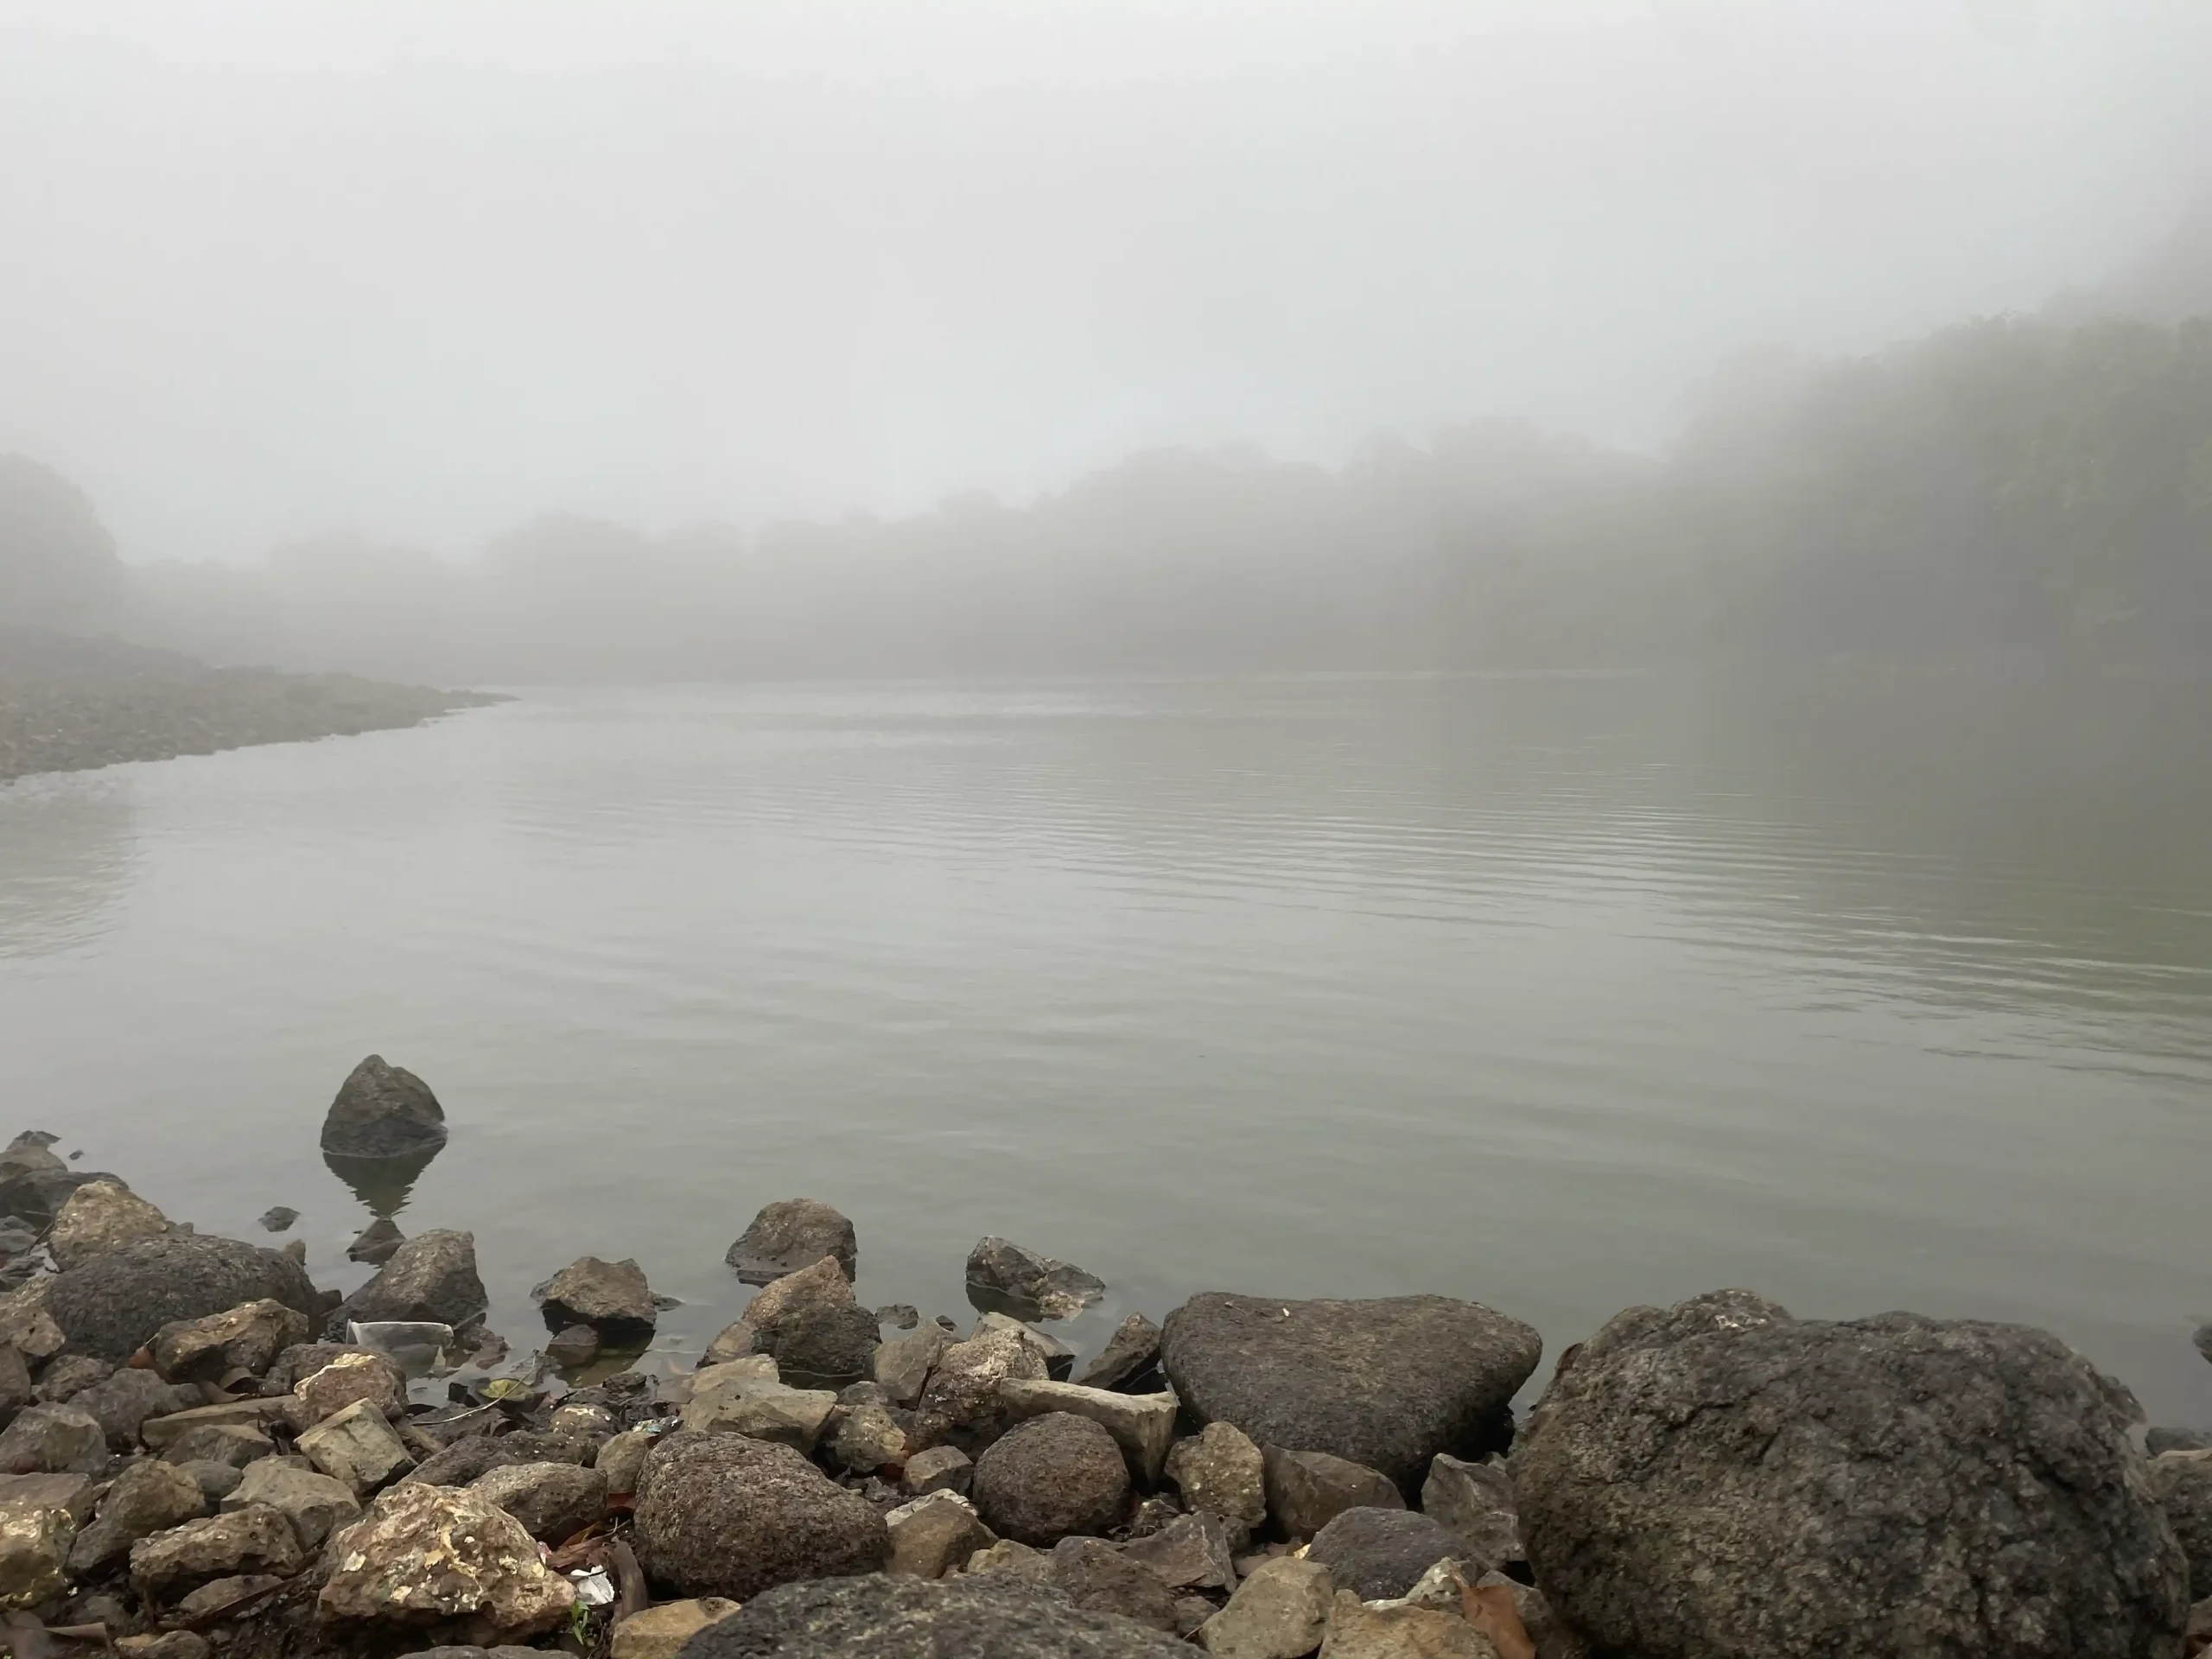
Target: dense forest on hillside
2034 489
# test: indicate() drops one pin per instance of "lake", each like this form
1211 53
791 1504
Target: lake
1560 993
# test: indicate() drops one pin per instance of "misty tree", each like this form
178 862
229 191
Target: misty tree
58 567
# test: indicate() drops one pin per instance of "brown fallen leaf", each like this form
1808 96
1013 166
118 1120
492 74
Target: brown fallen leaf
1490 1608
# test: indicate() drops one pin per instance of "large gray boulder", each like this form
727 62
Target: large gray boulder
114 1304
986 1615
383 1111
1720 1480
790 1234
1388 1383
432 1277
721 1514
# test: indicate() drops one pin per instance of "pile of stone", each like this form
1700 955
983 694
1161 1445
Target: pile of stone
203 1452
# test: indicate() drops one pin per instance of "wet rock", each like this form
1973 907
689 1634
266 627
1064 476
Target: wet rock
554 1500
98 1217
2182 1482
125 1399
350 1377
611 1297
940 1469
1142 1424
247 1540
315 1504
443 1557
357 1446
1308 1490
574 1348
1475 1500
377 1242
1131 1352
961 1399
1050 1477
810 1323
1381 1553
34 1555
1099 1579
70 1374
660 1632
383 1111
432 1277
1220 1472
723 1514
901 1367
115 1303
868 1438
1357 1632
278 1219
994 1616
1388 1382
1191 1552
235 1445
934 1533
459 1464
765 1411
216 1481
1279 1611
53 1439
621 1458
791 1234
1689 1483
161 1433
147 1498
1003 1276
248 1337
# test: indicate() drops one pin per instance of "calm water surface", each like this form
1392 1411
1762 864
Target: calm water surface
1560 994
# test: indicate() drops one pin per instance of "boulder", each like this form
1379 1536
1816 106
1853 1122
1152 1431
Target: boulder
611 1297
660 1632
934 1533
315 1504
790 1234
357 1446
1308 1490
247 1540
350 1377
1131 1352
990 1616
123 1401
443 1557
1003 1276
377 1242
868 1438
383 1111
146 1498
70 1374
236 1444
901 1366
1279 1611
1357 1632
763 1409
53 1439
1690 1484
1388 1382
1220 1472
34 1555
1475 1500
96 1217
723 1514
961 1399
1142 1424
248 1337
114 1303
1050 1477
940 1469
1381 1553
430 1277
809 1322
2182 1482
1099 1579
1191 1552
554 1501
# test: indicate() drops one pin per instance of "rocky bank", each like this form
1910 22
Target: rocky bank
68 704
202 1452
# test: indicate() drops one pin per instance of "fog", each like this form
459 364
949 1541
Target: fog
530 339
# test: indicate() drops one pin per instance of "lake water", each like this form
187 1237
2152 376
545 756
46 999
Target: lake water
1561 993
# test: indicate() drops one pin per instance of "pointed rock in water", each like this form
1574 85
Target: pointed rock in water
1003 1277
277 1219
1133 1350
378 1242
383 1111
611 1297
791 1234
811 1324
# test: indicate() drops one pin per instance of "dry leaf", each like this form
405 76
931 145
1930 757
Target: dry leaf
1490 1608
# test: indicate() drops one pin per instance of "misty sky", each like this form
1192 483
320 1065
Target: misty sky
420 270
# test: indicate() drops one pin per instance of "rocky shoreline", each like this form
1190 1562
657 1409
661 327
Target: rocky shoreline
201 1452
70 704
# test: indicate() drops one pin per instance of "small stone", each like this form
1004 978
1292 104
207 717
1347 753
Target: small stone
146 1498
26 1326
1279 1611
1020 1560
554 1501
315 1504
940 1469
71 1374
623 1455
70 1493
1129 1353
459 1464
763 1411
574 1348
216 1481
885 1616
377 1242
961 1396
903 1316
902 1366
99 1216
932 1534
1050 1477
584 1422
235 1444
2159 1441
220 1596
248 1337
660 1632
383 1111
53 1439
611 1297
1357 1632
278 1219
1028 1284
1381 1553
1550 1634
123 1401
357 1446
170 1644
791 1234
34 1556
161 1433
1099 1579
348 1379
1191 1552
1142 1424
868 1438
1475 1500
439 1555
15 1388
1308 1490
1222 1473
249 1540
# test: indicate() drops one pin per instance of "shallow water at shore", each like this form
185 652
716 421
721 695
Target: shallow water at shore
1562 994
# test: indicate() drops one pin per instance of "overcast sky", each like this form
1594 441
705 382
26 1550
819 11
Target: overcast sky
419 271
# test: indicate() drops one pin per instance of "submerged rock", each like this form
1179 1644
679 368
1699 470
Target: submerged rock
377 1242
383 1111
725 1515
1689 1484
611 1297
1005 1278
279 1219
1050 1477
114 1304
791 1234
990 1616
